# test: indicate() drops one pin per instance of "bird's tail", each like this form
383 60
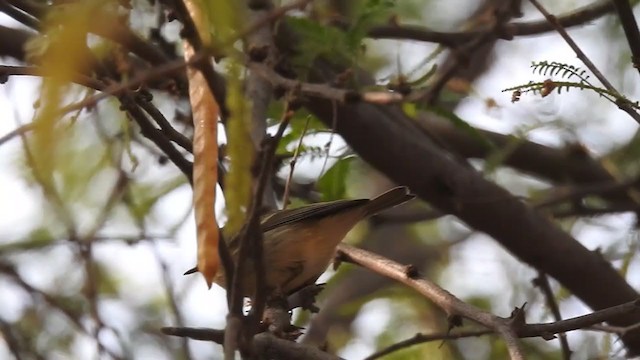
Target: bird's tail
391 198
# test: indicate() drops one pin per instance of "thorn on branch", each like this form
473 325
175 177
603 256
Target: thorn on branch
454 321
411 271
258 53
338 259
518 317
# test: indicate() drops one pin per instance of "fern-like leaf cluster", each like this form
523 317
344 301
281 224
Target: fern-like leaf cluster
567 72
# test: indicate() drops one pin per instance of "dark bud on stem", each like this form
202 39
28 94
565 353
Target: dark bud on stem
258 53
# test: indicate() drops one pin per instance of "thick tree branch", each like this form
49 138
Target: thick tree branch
518 28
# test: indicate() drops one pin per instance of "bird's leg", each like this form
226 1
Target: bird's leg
277 316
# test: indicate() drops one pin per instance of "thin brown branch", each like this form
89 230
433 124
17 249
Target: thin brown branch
424 338
292 166
17 132
156 136
542 282
580 322
204 334
463 55
450 304
582 211
573 18
578 192
170 132
173 301
14 342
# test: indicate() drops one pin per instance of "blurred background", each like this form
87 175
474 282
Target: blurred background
94 268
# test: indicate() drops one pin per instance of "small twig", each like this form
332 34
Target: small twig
15 343
581 191
585 211
48 187
334 123
502 14
171 133
204 334
173 301
542 282
621 101
274 15
292 165
19 131
580 322
156 136
423 338
576 17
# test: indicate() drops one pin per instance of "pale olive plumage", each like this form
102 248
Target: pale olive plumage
300 243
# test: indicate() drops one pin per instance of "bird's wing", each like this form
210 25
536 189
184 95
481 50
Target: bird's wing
308 212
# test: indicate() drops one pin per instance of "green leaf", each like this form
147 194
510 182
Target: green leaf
372 12
319 41
410 109
37 239
332 184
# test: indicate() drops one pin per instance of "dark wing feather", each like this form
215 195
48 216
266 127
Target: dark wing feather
309 212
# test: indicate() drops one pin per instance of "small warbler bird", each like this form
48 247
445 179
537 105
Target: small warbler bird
300 243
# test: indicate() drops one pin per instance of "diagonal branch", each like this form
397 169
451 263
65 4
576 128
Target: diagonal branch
451 305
